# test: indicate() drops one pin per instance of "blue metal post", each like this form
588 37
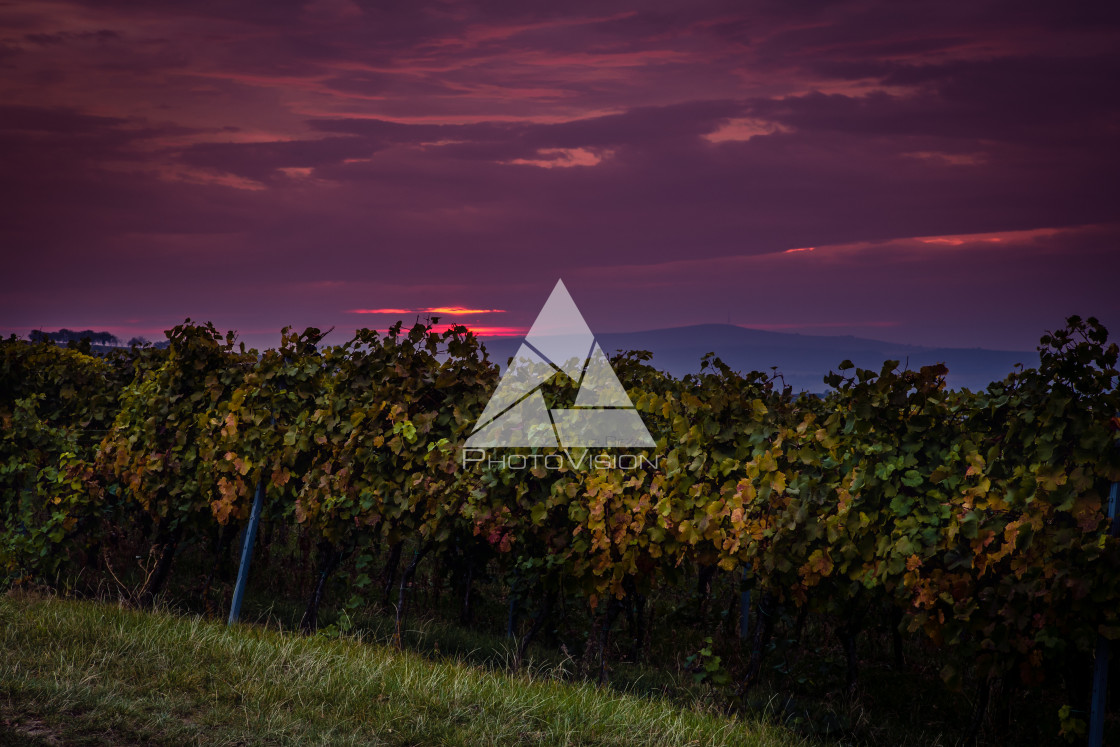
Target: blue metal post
246 554
1100 667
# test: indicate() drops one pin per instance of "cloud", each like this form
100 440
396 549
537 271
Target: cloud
261 161
275 163
449 310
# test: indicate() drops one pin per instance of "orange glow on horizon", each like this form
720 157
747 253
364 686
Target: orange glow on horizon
380 311
450 310
459 310
478 330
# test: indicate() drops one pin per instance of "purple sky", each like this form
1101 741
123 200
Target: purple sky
941 173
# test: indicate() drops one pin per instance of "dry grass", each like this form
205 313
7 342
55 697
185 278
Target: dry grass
96 674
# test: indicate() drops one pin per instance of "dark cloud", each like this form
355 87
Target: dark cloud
64 37
273 163
260 161
55 121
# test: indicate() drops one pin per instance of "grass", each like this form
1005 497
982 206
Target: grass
87 673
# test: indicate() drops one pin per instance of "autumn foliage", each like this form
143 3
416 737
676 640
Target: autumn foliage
975 520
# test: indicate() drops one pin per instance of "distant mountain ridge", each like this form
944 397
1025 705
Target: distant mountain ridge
802 360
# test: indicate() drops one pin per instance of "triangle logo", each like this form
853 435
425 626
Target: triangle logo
559 342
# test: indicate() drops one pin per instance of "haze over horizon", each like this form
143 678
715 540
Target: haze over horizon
912 173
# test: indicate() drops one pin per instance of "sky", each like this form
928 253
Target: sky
934 173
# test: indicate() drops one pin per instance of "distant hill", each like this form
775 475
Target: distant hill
803 360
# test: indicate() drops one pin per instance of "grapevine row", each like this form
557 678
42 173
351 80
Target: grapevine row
972 519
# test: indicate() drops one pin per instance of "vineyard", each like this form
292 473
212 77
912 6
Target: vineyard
969 527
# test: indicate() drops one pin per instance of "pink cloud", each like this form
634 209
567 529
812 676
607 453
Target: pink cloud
218 161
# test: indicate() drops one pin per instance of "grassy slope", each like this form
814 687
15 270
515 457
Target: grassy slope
85 673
